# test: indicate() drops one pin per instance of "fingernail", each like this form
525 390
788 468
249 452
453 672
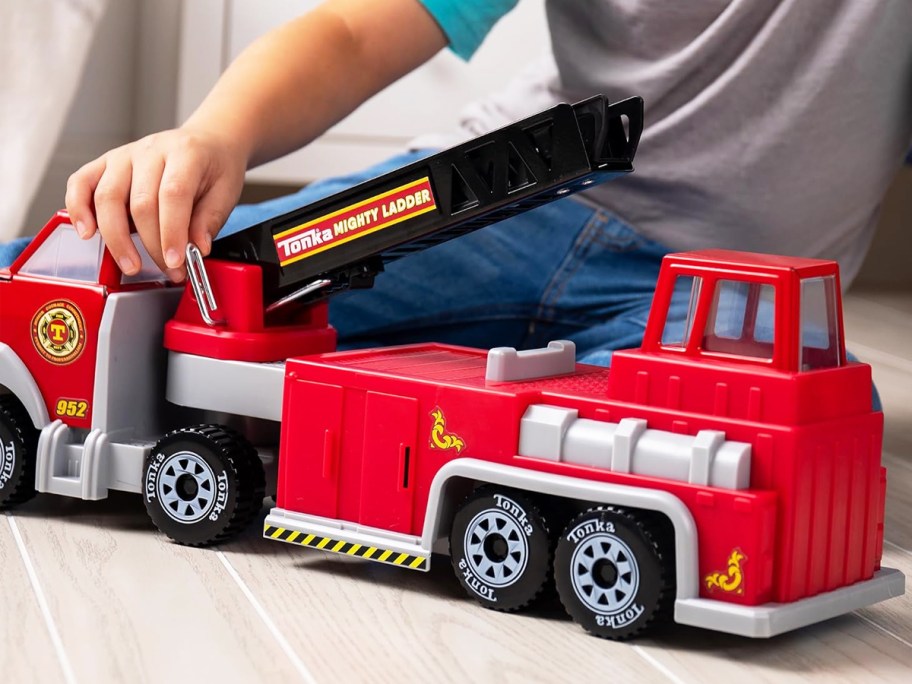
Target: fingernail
208 240
172 258
126 265
81 229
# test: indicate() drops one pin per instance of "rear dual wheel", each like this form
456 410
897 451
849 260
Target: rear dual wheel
612 575
500 547
612 568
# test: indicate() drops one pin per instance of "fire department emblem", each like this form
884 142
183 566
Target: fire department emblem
58 331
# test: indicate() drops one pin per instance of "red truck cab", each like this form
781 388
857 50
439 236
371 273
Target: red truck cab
53 301
761 351
80 362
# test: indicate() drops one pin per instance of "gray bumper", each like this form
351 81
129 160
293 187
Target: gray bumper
775 618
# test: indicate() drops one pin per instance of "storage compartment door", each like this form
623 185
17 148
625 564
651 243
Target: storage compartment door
388 461
310 449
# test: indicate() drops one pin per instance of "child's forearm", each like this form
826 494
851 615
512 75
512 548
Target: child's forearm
295 82
281 93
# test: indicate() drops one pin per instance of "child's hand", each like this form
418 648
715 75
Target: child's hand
282 92
176 185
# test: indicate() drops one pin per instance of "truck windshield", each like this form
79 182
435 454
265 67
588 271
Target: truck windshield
819 324
65 255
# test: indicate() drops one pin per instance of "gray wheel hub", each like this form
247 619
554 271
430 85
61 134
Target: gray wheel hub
186 487
605 574
496 548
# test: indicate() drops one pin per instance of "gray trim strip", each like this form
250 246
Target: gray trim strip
242 388
16 377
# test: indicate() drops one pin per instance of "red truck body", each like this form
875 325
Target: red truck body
811 520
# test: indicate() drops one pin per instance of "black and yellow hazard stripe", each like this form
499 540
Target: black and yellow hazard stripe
374 553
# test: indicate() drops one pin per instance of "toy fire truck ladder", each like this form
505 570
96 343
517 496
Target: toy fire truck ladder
344 240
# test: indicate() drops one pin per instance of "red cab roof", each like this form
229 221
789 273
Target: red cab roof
749 261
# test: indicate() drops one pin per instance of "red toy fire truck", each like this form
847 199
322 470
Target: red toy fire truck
726 474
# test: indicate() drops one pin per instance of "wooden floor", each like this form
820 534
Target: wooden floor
89 593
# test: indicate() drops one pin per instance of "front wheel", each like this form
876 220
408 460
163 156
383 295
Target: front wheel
202 485
611 574
500 547
18 446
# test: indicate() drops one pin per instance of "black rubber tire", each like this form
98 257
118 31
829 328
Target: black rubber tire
202 485
487 524
18 446
612 575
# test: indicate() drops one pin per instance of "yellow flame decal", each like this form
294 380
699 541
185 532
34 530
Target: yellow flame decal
730 581
440 438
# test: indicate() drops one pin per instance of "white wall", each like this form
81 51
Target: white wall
127 90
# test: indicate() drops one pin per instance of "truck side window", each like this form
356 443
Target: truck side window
148 272
65 255
742 320
819 324
681 312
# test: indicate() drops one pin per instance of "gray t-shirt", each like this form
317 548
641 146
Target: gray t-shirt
771 126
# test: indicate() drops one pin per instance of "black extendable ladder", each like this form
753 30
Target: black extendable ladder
343 241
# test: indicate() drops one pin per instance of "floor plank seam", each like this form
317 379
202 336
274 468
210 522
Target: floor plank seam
883 629
897 547
68 674
658 665
280 639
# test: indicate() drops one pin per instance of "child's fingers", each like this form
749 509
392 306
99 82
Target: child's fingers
180 185
79 196
211 212
111 197
147 175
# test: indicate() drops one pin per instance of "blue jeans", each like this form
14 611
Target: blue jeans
564 270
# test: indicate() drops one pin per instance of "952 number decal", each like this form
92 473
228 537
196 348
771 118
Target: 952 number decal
71 408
